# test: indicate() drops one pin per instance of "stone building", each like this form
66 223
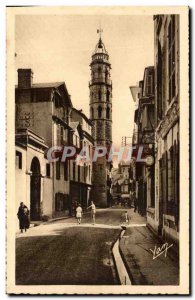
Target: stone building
124 182
46 110
115 187
100 88
33 180
165 217
81 171
142 172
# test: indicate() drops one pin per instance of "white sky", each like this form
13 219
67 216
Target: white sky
59 48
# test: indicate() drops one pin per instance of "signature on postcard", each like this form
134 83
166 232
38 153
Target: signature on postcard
157 251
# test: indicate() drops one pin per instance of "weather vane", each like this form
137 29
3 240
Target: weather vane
100 31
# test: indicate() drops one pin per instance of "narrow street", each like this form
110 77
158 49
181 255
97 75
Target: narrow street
62 252
98 125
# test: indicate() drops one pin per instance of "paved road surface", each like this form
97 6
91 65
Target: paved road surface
109 216
74 255
62 252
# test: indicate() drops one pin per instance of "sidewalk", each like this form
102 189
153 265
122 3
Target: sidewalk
140 261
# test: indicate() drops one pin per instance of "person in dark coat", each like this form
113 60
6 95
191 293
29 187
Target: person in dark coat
23 216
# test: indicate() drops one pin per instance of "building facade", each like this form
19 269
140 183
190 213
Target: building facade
142 172
160 182
124 182
46 110
100 88
81 170
115 187
33 181
165 218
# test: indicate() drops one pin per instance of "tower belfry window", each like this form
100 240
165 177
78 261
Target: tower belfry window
106 74
99 112
99 94
107 96
92 113
107 113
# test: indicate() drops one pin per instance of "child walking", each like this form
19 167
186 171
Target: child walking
79 213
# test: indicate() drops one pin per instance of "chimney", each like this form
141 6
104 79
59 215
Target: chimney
25 78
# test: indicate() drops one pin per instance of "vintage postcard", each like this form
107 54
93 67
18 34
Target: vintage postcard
97 150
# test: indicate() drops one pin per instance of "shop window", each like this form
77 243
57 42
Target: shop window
62 202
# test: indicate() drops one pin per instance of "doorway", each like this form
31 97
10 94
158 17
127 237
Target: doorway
35 190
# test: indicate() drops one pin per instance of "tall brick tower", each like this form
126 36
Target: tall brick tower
100 88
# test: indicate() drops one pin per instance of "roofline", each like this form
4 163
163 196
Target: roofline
83 115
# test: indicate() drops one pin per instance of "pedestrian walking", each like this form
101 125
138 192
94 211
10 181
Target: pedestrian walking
79 213
127 217
93 211
23 216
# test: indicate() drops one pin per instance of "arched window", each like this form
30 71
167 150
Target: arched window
92 113
108 96
107 113
99 112
99 94
106 74
99 70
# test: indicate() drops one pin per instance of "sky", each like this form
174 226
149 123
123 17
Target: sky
59 48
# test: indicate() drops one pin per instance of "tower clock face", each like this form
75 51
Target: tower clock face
149 160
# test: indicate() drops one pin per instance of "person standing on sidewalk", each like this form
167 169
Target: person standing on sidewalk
79 213
23 216
93 211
